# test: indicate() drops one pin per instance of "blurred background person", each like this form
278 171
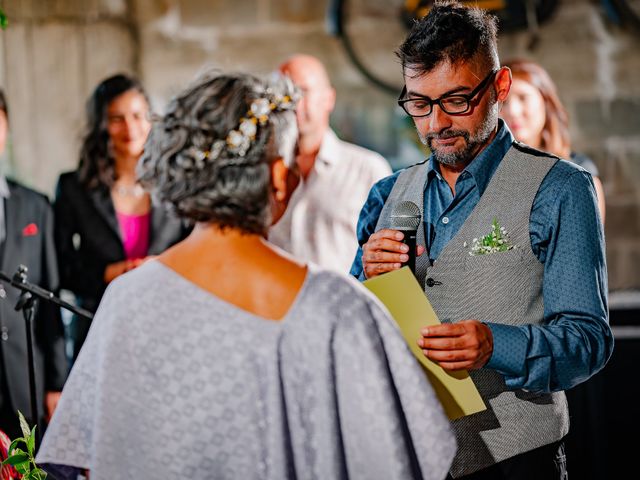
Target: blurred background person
280 369
320 222
536 116
106 224
534 113
26 238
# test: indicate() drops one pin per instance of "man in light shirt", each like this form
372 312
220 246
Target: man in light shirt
320 222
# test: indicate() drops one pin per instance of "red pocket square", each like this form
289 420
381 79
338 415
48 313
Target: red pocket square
30 230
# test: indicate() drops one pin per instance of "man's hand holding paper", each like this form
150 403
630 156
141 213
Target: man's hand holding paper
409 306
466 345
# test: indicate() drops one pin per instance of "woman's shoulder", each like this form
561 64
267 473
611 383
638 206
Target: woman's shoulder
69 177
149 283
69 182
328 290
322 277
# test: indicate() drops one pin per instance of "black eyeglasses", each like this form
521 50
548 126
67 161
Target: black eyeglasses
455 104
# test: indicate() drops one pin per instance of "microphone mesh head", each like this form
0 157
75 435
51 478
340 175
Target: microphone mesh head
405 216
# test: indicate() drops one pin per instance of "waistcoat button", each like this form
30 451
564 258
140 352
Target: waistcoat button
431 282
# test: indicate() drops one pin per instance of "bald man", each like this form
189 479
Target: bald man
320 222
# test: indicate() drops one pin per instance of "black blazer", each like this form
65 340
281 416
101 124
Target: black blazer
29 241
88 238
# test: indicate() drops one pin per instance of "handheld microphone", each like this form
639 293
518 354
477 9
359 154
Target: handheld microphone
406 217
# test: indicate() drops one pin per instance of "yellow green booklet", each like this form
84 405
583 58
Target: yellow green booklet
406 301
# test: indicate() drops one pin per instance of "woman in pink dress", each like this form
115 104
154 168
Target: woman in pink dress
106 224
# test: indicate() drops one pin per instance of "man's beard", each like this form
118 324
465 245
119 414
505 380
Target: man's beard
465 155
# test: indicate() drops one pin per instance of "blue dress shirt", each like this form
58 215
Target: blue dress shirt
566 236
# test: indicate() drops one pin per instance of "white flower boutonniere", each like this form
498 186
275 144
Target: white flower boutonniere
494 242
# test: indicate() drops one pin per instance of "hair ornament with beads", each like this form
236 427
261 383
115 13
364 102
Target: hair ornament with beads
239 141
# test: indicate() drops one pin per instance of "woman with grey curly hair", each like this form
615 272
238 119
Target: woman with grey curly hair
227 359
189 165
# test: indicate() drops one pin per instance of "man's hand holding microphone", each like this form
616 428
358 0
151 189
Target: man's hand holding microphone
467 344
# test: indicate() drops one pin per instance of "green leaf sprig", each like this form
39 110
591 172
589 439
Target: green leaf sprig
23 459
4 21
496 241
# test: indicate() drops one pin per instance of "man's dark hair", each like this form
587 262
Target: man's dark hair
450 32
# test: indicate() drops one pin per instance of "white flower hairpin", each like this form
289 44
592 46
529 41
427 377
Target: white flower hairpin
238 141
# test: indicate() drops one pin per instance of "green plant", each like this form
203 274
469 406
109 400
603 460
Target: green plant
24 460
4 21
496 241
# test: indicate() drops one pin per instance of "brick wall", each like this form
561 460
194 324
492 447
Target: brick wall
51 56
55 51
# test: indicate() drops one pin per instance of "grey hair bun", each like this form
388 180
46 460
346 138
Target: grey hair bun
222 187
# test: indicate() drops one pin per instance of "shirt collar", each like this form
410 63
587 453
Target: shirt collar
4 187
485 164
329 149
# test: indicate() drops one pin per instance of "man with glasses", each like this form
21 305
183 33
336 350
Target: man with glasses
507 255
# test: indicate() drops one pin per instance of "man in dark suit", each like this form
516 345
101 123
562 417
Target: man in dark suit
26 238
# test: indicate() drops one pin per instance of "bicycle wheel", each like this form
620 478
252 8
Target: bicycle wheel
512 14
371 31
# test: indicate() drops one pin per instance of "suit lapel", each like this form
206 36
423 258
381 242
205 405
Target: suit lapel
13 223
8 251
101 199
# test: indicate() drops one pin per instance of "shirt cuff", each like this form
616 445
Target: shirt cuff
509 349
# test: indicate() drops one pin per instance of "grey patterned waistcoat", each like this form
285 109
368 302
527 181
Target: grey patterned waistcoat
504 287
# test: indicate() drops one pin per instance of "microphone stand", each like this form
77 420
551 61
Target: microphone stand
27 302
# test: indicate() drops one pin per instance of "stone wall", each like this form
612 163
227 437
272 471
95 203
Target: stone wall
52 55
55 51
596 66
